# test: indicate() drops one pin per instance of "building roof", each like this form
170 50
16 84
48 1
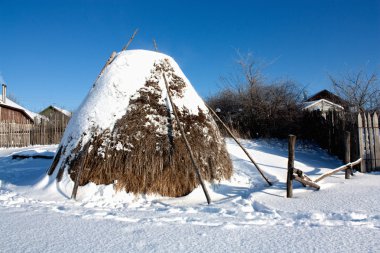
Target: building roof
11 104
328 95
63 111
309 104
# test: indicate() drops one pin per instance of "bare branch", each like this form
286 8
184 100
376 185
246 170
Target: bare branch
359 89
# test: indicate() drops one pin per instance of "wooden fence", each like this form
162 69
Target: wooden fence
369 142
328 131
300 176
22 135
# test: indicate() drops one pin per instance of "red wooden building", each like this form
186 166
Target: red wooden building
11 112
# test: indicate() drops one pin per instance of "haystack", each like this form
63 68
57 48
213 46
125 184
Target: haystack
125 134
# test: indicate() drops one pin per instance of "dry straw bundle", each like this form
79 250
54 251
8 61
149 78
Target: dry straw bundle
142 151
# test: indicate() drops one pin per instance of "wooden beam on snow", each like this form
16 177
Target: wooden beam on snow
306 182
343 167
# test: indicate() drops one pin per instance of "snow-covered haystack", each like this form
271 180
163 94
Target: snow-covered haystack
124 133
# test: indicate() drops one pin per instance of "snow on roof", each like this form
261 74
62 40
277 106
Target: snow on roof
67 113
10 103
311 103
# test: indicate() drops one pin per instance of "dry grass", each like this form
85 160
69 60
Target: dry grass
140 157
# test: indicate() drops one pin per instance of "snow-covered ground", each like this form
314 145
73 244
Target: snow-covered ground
245 216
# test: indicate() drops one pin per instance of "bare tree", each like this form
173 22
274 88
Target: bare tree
248 73
255 106
360 89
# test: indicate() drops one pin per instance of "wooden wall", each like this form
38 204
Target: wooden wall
18 130
55 116
13 115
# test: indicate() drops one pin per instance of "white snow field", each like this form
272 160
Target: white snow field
245 215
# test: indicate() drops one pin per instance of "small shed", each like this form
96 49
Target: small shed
56 115
322 105
324 101
328 95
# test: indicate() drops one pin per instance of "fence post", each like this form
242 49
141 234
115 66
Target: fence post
347 153
376 135
291 157
371 157
366 143
361 133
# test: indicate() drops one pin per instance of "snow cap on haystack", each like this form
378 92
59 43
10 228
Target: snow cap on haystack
124 133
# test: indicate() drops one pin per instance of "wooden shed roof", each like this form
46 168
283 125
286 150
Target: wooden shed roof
328 95
14 106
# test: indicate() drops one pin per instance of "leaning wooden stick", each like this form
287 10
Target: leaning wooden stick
55 162
343 167
155 45
130 40
60 173
197 171
79 173
113 55
110 59
241 146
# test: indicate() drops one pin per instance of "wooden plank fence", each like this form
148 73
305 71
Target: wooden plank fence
369 141
14 135
329 131
305 180
22 135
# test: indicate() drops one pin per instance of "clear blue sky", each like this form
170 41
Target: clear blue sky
51 51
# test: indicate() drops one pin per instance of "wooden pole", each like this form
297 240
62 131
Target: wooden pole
343 167
291 157
155 45
366 143
240 145
361 138
79 172
347 153
130 40
371 142
376 140
113 55
197 171
60 173
108 62
55 161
